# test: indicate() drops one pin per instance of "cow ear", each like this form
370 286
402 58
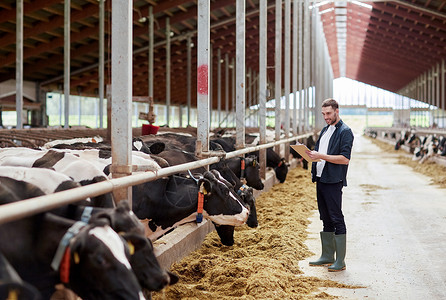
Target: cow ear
123 206
157 148
206 185
101 219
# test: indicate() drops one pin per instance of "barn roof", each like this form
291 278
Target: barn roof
386 44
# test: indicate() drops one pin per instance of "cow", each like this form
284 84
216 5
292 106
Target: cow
102 159
247 168
12 286
90 259
78 169
226 232
49 181
427 148
137 145
171 201
273 160
178 141
122 219
93 140
279 164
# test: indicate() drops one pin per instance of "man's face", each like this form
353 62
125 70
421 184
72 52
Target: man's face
330 115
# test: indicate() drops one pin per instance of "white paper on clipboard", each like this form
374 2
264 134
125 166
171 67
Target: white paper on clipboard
301 148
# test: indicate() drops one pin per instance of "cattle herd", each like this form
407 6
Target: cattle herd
99 249
422 146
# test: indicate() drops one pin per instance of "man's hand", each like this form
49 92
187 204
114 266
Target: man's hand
336 159
314 155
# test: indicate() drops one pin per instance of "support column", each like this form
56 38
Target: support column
278 70
218 87
67 26
189 77
203 36
227 89
168 71
295 65
121 115
101 63
287 74
240 74
19 65
263 92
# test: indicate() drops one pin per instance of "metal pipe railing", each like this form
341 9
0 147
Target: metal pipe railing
25 208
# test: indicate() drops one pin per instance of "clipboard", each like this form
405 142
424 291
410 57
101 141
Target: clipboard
301 148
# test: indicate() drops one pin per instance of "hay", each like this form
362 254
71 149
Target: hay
263 263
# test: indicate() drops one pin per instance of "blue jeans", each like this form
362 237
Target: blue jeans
329 203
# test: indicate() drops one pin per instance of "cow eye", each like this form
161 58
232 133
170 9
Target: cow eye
99 260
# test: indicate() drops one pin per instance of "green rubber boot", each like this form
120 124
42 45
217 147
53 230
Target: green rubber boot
341 244
328 250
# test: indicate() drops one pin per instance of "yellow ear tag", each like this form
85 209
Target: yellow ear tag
254 162
76 258
131 248
202 189
12 295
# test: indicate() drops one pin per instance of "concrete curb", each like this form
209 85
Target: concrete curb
187 238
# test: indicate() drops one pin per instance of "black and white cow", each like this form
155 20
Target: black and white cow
82 144
78 169
427 148
279 164
171 201
273 160
247 168
176 157
102 159
12 286
226 232
90 259
121 219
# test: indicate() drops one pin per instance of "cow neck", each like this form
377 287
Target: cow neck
241 189
178 201
242 170
61 259
200 199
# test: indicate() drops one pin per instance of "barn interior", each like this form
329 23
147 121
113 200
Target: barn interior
398 46
208 65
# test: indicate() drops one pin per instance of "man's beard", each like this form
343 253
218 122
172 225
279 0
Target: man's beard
334 119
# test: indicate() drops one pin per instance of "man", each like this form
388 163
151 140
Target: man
333 150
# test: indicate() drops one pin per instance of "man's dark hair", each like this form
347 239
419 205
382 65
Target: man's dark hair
330 102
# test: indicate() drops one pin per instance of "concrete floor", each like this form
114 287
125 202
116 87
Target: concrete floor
396 231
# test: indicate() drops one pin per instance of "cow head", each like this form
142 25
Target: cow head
143 261
12 286
222 204
248 199
155 148
252 173
99 266
281 170
145 265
